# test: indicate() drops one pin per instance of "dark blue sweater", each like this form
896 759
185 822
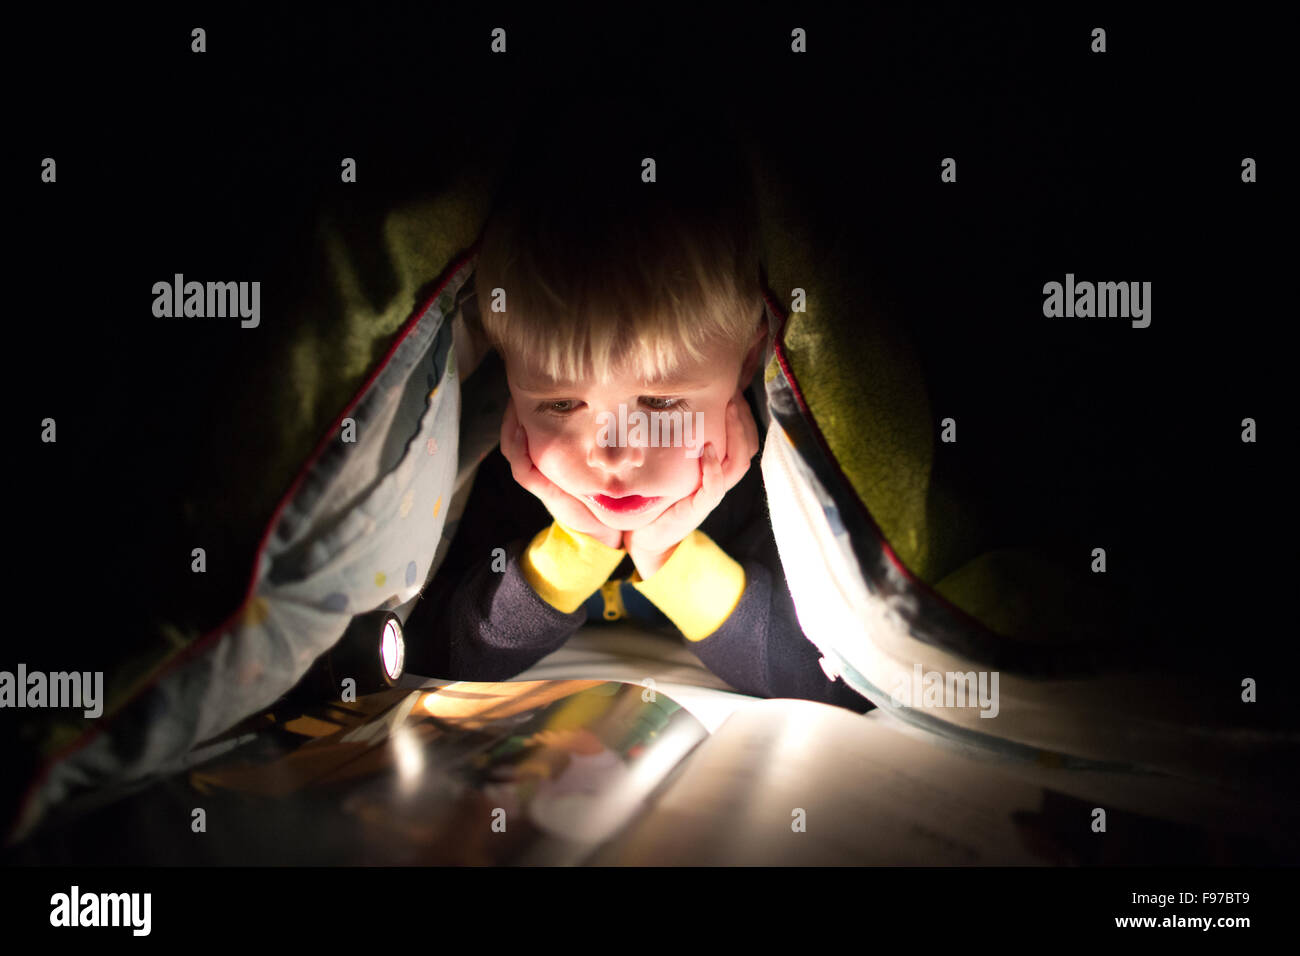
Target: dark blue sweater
474 623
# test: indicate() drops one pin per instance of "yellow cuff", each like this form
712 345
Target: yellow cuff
697 588
565 566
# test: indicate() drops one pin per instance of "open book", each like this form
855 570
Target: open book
560 772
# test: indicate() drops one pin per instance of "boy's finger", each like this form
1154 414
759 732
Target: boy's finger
747 427
526 473
556 500
751 429
536 483
514 445
511 449
746 439
713 478
735 446
509 422
713 485
750 441
728 433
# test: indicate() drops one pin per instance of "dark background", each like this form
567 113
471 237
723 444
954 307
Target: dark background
1122 166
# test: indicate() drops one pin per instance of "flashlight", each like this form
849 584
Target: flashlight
371 652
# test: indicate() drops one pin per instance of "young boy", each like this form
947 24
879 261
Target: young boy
612 299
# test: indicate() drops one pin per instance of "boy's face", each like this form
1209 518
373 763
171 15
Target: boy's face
568 445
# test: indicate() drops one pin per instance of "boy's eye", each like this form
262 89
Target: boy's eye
550 408
555 408
676 403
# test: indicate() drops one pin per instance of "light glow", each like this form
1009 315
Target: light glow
393 649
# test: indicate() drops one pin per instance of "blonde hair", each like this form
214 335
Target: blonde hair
605 274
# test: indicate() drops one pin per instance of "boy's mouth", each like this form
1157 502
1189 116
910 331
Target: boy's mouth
629 504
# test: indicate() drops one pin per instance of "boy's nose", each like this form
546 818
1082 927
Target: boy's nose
619 459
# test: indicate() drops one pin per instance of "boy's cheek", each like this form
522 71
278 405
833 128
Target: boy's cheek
709 433
541 444
556 463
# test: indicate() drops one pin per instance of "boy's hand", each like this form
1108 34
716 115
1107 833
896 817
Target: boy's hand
564 508
651 547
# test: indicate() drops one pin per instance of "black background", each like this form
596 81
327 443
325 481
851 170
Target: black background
1121 166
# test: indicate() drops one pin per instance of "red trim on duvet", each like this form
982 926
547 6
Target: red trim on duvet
778 348
202 643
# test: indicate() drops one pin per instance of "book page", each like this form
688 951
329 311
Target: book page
1213 801
478 773
794 782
